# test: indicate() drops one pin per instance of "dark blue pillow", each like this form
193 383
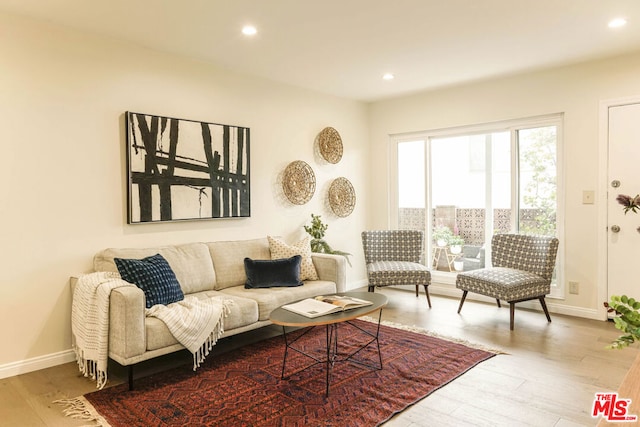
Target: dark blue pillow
154 276
262 273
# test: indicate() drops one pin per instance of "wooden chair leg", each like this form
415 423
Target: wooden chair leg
498 301
464 295
371 288
544 307
426 291
417 287
512 311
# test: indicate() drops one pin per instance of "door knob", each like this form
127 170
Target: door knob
615 228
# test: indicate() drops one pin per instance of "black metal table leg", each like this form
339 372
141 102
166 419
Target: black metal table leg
331 349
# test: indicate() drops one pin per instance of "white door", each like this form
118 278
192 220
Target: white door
623 239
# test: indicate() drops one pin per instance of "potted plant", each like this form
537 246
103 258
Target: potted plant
455 243
458 265
316 230
441 235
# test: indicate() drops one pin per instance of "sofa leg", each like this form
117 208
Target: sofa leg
372 288
498 301
464 295
130 377
426 291
544 307
417 287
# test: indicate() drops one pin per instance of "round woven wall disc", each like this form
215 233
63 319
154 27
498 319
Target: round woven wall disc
342 197
330 145
299 182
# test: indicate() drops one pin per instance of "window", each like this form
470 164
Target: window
463 185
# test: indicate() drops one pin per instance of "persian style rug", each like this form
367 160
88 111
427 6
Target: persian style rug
244 387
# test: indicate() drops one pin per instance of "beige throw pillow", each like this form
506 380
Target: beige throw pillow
280 249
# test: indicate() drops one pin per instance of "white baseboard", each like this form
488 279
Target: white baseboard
36 363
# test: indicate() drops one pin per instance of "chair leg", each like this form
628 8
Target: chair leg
464 295
512 311
544 307
371 288
426 291
498 301
417 287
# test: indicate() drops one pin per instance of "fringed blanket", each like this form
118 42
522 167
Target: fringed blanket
196 324
90 322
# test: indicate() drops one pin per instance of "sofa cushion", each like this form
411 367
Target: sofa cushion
272 298
266 273
154 276
228 259
280 249
190 262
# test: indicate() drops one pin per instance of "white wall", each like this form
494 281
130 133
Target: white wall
575 91
62 181
63 187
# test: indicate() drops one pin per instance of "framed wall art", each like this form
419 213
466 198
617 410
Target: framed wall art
186 170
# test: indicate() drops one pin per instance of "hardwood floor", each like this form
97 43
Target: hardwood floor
548 378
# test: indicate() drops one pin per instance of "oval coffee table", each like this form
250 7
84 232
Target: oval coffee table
284 318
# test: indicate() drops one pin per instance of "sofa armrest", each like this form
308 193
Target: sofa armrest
332 268
127 337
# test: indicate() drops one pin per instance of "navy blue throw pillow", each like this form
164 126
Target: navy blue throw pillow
262 273
154 276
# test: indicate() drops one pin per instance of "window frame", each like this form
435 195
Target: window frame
512 126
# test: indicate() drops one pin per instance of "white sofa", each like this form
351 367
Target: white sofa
204 269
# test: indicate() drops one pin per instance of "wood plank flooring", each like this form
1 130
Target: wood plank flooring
548 378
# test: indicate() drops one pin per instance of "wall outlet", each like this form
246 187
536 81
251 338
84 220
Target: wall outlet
574 288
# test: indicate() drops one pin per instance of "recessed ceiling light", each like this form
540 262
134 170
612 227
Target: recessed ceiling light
617 23
388 76
249 30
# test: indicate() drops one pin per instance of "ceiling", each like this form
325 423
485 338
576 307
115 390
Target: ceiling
343 47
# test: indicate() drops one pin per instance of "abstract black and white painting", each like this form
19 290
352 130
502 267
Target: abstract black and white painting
185 170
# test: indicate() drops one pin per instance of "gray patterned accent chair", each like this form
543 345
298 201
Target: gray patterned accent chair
394 257
522 269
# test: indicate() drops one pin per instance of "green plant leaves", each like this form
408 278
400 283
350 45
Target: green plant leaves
627 320
318 244
317 228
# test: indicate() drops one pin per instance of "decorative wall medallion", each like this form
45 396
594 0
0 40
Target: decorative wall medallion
342 197
330 145
299 182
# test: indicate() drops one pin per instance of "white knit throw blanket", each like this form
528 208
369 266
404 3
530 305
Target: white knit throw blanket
196 324
90 322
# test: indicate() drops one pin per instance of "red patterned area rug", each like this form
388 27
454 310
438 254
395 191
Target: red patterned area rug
244 387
